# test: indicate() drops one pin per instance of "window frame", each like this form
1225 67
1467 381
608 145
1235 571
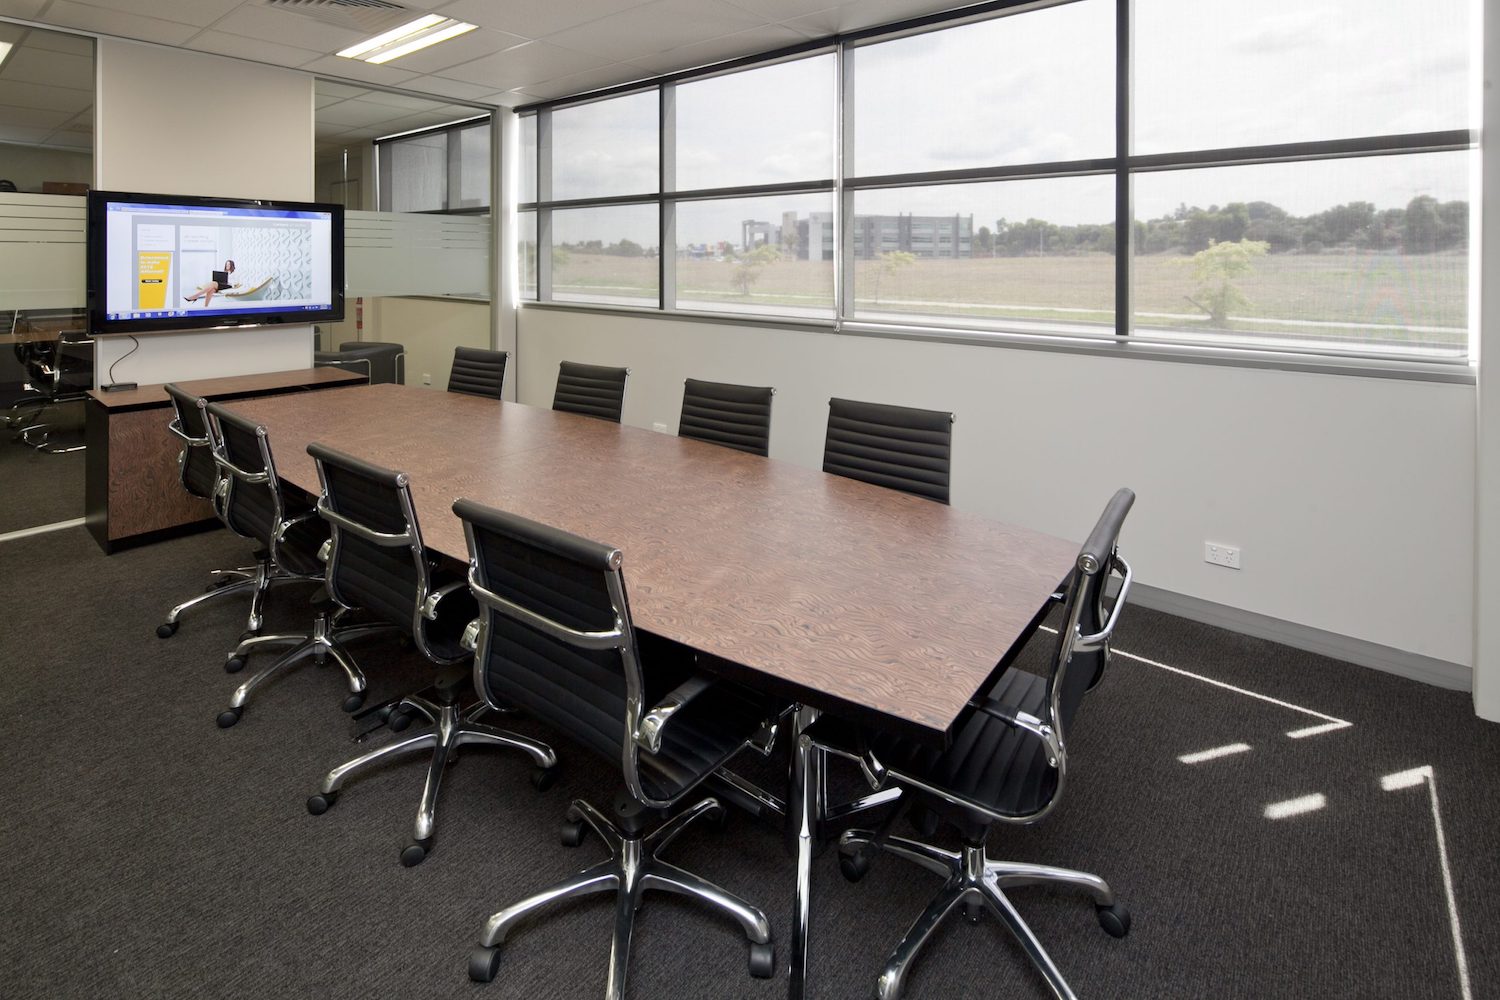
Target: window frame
453 164
1124 165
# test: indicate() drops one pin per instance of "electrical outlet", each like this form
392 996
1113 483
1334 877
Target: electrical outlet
426 378
661 428
1221 555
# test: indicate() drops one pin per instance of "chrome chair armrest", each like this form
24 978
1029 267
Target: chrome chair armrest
648 732
1099 639
1027 722
470 639
430 606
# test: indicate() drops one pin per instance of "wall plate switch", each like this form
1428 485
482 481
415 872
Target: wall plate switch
661 428
426 378
1221 555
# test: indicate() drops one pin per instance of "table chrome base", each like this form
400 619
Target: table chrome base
632 868
326 640
976 881
452 729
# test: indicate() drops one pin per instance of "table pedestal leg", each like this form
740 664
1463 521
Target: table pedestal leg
804 815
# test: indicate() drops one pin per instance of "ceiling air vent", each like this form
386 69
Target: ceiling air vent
371 16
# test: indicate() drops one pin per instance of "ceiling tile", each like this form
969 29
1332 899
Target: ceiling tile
32 117
26 10
342 91
23 134
359 113
781 10
865 14
582 83
744 43
60 41
113 22
656 27
71 140
255 21
355 69
403 102
196 12
241 47
523 65
462 49
452 89
52 69
510 99
534 18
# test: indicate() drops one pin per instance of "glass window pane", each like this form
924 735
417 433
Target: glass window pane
1035 87
528 159
414 174
473 168
1037 254
761 126
1221 73
526 253
606 148
606 255
765 256
1354 254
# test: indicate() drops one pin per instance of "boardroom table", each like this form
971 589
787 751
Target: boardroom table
834 594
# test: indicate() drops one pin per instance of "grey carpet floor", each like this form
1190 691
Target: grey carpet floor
36 488
146 853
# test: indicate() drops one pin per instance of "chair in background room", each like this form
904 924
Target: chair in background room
895 446
376 561
592 390
1007 763
555 639
201 477
380 361
735 416
477 372
58 371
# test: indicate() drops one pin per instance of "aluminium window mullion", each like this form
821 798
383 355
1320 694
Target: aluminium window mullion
543 212
666 214
1124 184
843 195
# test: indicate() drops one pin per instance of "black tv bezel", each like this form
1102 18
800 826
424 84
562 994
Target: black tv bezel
100 324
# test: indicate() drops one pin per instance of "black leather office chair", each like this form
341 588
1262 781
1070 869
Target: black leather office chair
201 477
377 561
256 507
477 372
60 371
554 638
735 416
896 446
1007 763
593 390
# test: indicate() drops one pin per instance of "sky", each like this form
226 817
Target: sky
1039 87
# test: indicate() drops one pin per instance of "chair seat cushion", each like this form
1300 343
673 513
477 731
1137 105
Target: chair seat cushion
988 761
702 736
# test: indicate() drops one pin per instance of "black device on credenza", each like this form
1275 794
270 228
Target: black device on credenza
158 262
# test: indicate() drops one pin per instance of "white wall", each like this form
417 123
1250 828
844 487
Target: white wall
147 141
1352 498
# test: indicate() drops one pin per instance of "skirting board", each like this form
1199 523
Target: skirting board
1429 670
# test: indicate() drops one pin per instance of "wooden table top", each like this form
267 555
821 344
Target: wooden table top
836 593
228 387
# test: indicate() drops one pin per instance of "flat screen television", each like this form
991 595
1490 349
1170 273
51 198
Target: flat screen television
178 262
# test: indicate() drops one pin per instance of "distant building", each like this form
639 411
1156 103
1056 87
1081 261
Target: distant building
812 236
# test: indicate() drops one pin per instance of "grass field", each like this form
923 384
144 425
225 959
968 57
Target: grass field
1380 297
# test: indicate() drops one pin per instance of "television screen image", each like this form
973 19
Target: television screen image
173 263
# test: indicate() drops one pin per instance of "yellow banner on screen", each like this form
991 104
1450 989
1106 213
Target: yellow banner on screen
152 268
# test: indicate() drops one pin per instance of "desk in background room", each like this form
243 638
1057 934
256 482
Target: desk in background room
132 493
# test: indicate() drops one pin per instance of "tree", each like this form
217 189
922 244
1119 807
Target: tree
1422 223
984 241
1215 269
627 248
747 266
889 263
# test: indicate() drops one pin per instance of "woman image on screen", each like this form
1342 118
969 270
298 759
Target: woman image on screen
214 284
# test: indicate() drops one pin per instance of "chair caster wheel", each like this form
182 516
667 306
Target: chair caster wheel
572 832
353 703
854 864
398 720
229 717
322 802
234 664
543 778
762 960
973 911
166 630
415 853
1114 919
484 963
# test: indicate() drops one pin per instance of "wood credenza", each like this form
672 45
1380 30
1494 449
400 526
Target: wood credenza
132 494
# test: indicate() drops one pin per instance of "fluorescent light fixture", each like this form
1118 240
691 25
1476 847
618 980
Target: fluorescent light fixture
5 48
424 31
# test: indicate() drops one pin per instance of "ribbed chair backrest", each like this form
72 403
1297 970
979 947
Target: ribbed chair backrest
196 468
1082 649
735 416
895 446
252 502
593 390
477 372
376 561
555 637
